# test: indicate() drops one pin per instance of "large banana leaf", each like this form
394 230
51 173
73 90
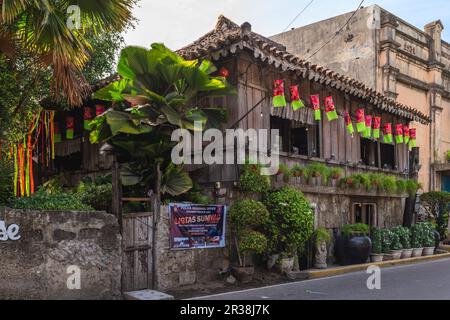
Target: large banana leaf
175 181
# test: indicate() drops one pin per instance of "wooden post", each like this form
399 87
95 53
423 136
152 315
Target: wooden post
116 192
156 217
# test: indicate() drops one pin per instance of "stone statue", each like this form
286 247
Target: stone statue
320 258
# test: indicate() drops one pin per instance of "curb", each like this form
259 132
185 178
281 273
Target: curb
315 274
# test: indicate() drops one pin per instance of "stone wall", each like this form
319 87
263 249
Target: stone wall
36 265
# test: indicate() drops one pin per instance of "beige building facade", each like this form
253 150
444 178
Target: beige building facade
397 59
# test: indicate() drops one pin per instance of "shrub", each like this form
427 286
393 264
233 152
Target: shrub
357 229
285 171
364 180
336 173
386 235
6 180
377 240
428 234
322 235
42 200
417 236
349 182
447 155
246 214
97 196
388 184
297 170
376 180
315 170
252 242
404 235
291 220
396 243
437 205
401 185
412 186
251 180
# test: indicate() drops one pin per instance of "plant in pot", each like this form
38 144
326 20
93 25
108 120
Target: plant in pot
353 246
417 240
284 170
396 245
322 239
335 174
247 218
349 182
316 172
401 186
447 155
386 236
377 245
297 172
388 184
290 224
428 239
251 181
405 239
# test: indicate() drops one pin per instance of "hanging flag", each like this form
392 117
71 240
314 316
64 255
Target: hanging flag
69 128
278 94
349 124
330 109
99 109
223 72
316 106
376 127
412 138
368 122
398 133
387 133
296 102
87 117
406 133
360 121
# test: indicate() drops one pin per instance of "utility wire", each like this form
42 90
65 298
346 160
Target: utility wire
337 32
298 15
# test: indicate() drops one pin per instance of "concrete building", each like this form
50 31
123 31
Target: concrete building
398 60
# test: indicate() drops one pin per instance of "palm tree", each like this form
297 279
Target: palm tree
41 27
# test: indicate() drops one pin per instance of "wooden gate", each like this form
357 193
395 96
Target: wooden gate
137 255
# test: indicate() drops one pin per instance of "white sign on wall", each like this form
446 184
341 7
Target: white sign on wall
9 233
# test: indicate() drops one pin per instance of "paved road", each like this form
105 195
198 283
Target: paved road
422 281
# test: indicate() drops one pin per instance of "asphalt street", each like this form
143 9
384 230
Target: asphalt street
421 281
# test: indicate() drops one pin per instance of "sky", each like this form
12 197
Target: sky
177 23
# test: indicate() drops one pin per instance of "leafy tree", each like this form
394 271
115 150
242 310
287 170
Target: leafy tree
437 206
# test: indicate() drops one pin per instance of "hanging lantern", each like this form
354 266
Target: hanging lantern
349 124
398 133
368 122
412 138
360 121
296 102
316 106
406 133
87 117
279 99
330 109
70 124
99 109
387 133
223 72
376 127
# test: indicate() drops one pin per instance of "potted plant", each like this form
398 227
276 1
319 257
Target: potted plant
316 172
417 240
386 243
447 155
297 172
388 184
353 246
376 254
335 174
428 239
322 239
396 245
290 224
251 181
284 170
405 239
247 218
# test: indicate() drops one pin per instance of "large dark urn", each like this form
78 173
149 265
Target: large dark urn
353 249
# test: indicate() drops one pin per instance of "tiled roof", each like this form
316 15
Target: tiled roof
228 37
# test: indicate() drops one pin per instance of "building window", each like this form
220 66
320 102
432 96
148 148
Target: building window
296 137
387 152
364 213
369 152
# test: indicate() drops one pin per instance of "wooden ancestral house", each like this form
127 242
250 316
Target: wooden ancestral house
253 63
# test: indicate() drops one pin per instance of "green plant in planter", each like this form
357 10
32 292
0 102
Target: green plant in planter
388 184
291 222
447 155
336 173
387 240
428 234
349 183
316 169
396 243
285 171
412 186
297 170
401 185
377 240
417 236
357 229
364 180
247 218
252 181
376 180
322 235
404 235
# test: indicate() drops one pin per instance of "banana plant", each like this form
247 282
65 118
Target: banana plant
158 92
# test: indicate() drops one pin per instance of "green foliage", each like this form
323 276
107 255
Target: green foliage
336 173
97 194
388 184
386 236
322 235
54 185
404 235
291 220
412 186
42 200
396 243
285 171
315 170
447 155
252 181
297 170
6 180
401 185
253 242
376 237
428 234
195 195
417 236
357 229
437 205
245 214
364 180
